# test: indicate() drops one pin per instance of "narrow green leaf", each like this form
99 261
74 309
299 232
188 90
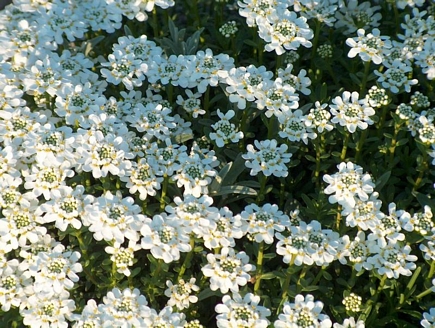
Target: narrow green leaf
382 180
236 189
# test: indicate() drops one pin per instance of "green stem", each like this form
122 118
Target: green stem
432 270
301 276
282 186
318 144
155 23
170 91
360 144
315 42
279 60
392 147
164 189
84 252
187 259
242 128
263 180
207 102
365 76
345 145
259 267
381 122
285 286
372 301
338 218
424 166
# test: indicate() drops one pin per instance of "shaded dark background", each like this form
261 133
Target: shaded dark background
4 3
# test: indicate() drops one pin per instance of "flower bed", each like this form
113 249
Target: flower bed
202 163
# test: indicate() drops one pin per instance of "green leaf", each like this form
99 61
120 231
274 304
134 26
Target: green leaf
217 182
268 276
250 43
236 189
207 293
92 43
237 167
127 31
382 180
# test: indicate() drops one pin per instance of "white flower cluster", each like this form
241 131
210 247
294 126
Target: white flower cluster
384 248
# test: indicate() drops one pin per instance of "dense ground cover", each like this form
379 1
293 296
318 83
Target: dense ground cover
258 163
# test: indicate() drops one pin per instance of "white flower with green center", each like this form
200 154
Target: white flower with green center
43 77
165 237
285 31
270 159
195 214
319 118
21 223
293 126
195 175
113 218
371 47
101 154
143 178
67 209
225 131
393 259
153 119
260 223
90 316
277 96
246 84
350 323
56 270
422 222
15 285
223 230
192 104
426 132
354 15
168 158
352 302
305 312
365 214
48 309
123 257
395 77
126 308
180 295
348 183
351 112
47 180
228 270
242 312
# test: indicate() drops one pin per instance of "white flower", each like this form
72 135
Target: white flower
101 154
125 68
180 294
166 318
268 159
67 209
195 214
228 270
242 312
48 309
395 77
299 82
354 15
113 218
351 112
365 214
428 320
319 117
90 316
260 223
153 119
393 260
192 104
168 158
350 323
223 230
371 47
246 84
56 270
349 182
127 308
142 177
284 32
426 58
195 175
293 126
225 131
304 312
123 257
47 180
165 237
15 285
